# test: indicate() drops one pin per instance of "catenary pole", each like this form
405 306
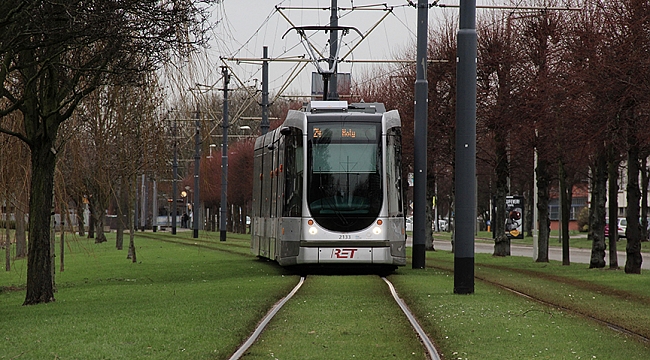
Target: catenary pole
420 143
197 160
143 205
264 127
334 34
465 203
224 158
154 207
174 181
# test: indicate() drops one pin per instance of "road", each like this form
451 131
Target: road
554 253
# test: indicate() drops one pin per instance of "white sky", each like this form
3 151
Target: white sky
245 26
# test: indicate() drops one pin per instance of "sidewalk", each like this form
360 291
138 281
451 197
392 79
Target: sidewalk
583 256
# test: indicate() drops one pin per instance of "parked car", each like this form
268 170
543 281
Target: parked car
409 223
443 225
622 225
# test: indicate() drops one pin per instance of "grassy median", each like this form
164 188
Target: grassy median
200 298
494 323
177 301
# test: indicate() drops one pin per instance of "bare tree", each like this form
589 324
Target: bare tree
54 54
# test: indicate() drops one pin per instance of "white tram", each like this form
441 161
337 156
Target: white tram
327 187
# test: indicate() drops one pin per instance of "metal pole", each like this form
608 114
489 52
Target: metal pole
197 160
334 34
420 141
154 207
143 206
174 184
224 159
535 215
265 92
465 208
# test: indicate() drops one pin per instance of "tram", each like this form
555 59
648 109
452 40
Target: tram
327 187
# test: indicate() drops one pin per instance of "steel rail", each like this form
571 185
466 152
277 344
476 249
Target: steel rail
428 344
260 327
615 327
611 325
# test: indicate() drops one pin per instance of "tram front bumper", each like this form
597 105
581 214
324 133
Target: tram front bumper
345 254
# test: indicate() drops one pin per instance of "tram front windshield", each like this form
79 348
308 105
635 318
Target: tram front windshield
344 183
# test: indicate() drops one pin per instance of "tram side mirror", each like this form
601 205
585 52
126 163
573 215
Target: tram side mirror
285 131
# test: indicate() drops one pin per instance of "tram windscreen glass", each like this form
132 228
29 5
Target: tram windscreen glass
345 187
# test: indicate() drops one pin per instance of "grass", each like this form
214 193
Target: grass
493 323
176 302
201 298
334 317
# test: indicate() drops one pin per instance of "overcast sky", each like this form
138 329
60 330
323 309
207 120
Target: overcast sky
245 26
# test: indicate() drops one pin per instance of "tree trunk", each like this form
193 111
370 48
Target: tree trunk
122 204
633 230
91 220
528 220
597 211
40 287
132 190
501 240
543 183
21 238
80 218
7 246
644 198
431 192
564 221
97 215
612 175
62 248
7 237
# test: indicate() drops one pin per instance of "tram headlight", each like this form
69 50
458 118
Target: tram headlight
376 230
313 230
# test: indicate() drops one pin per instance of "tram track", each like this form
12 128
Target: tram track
527 295
427 343
616 327
641 337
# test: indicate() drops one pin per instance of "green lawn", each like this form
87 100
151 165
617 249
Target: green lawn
200 298
178 301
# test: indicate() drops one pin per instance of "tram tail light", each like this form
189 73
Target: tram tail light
312 228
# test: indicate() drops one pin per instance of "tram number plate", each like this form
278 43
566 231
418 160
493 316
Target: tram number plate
345 253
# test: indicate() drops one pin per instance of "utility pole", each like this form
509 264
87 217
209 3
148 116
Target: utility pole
334 34
224 158
154 207
420 141
265 92
143 206
465 208
174 184
197 160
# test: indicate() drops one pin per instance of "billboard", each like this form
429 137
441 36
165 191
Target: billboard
515 217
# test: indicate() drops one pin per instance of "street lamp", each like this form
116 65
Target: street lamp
211 146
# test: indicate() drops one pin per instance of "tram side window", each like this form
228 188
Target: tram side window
267 166
293 172
394 172
257 183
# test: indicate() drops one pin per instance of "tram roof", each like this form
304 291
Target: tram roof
343 106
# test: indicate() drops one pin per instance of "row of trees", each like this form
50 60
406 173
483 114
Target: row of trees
54 55
569 86
79 93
